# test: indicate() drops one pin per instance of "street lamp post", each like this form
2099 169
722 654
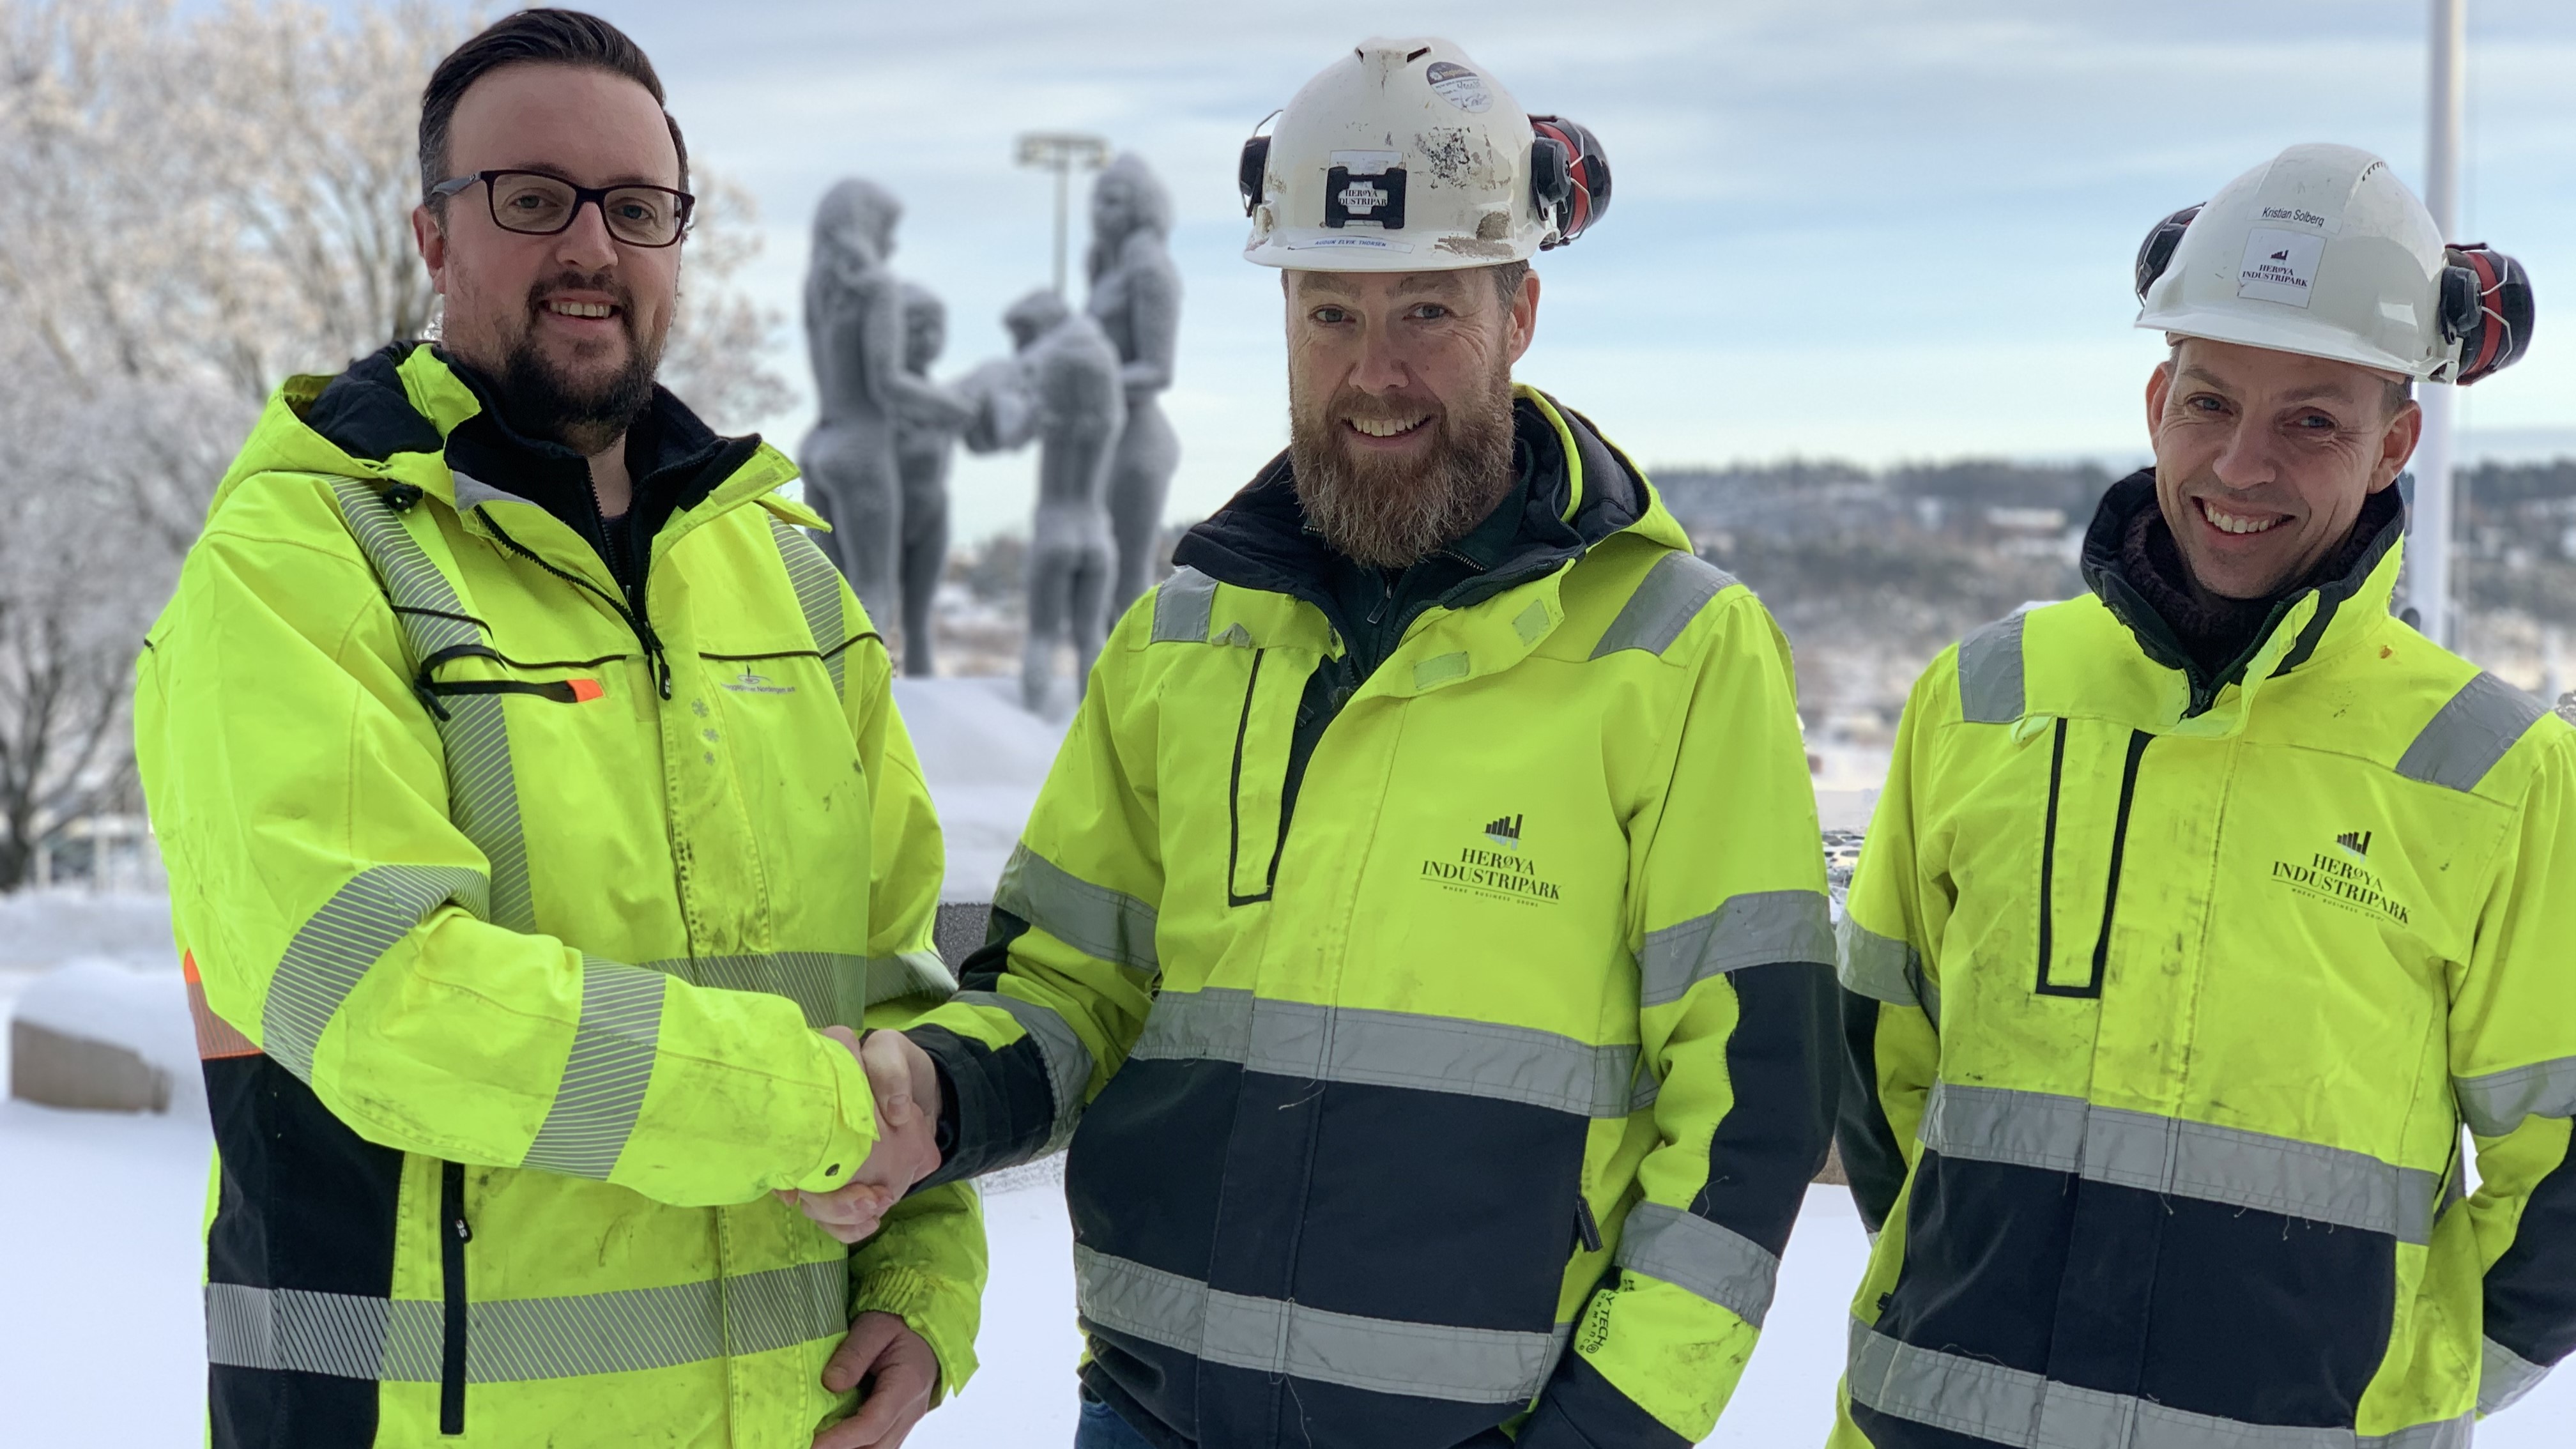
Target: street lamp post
2428 561
1062 152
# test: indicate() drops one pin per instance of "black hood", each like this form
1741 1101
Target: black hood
1260 538
674 459
2110 569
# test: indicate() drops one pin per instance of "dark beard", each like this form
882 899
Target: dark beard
541 402
1389 515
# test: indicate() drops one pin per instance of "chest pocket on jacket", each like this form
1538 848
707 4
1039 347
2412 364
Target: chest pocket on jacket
1264 738
2083 852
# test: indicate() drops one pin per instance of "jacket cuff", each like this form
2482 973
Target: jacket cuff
854 1124
1003 1108
929 1307
1580 1409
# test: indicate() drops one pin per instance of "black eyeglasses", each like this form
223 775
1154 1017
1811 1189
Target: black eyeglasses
535 204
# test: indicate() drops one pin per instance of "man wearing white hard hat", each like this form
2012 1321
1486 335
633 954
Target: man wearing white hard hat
2203 914
1422 939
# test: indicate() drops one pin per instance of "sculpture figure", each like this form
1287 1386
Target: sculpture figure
1136 299
1065 390
854 335
928 420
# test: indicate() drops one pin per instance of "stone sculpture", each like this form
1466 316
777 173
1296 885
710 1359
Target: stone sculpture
928 420
855 337
1136 299
1065 389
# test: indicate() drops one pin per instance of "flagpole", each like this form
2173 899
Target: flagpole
2428 554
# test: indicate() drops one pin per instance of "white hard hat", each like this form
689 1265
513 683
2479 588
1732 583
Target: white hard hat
1406 156
2323 251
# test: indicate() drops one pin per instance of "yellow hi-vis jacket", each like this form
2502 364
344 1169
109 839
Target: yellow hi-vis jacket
509 915
2166 1024
1407 1028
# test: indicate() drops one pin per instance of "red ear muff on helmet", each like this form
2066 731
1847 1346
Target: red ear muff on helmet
2487 309
1569 176
2156 252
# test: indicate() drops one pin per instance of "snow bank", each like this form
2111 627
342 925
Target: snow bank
984 758
145 1012
41 928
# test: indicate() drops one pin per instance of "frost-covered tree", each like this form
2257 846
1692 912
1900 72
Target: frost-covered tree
193 206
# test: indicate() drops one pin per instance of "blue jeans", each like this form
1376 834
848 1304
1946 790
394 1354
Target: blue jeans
1101 1428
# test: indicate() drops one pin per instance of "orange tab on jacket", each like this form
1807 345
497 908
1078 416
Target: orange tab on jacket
216 1037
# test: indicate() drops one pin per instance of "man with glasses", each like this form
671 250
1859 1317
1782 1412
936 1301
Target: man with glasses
539 827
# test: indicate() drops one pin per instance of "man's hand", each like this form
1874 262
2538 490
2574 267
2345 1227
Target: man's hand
896 1374
907 1147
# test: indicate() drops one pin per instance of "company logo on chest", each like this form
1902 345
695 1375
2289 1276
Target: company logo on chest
1492 864
2342 875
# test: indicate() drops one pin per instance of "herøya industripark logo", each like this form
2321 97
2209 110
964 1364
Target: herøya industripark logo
750 683
2343 876
1493 865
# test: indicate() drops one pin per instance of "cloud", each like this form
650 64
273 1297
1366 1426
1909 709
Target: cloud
1871 229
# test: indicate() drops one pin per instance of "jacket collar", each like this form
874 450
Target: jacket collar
2319 617
1581 490
410 415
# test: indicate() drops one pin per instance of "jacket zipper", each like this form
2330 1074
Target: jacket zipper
2048 865
1234 802
1587 1228
2092 985
453 1235
635 618
2119 846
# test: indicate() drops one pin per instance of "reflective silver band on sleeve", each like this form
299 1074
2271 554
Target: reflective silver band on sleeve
818 593
2504 1377
350 933
1667 599
1990 673
2470 733
2168 1155
1275 1336
1704 1258
1184 607
2495 1103
1456 1057
1881 968
1068 1061
2011 1406
1757 928
611 1064
1112 925
521 1340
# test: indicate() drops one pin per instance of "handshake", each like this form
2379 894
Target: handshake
906 1087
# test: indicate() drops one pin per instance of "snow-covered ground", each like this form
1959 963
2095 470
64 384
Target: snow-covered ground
984 758
101 1334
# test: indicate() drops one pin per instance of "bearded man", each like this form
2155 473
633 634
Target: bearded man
539 825
1421 937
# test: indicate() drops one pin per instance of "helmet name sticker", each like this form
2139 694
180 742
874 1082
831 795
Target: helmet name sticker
1459 86
2301 216
1338 243
2279 266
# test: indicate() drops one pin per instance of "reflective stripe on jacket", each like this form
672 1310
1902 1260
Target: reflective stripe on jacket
1508 1032
2165 1026
508 920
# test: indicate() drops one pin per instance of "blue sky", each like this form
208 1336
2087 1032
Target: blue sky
1862 228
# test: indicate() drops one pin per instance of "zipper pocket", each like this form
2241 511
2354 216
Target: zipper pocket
453 1235
2100 964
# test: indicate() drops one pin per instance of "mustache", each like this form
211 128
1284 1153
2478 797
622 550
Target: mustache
606 283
